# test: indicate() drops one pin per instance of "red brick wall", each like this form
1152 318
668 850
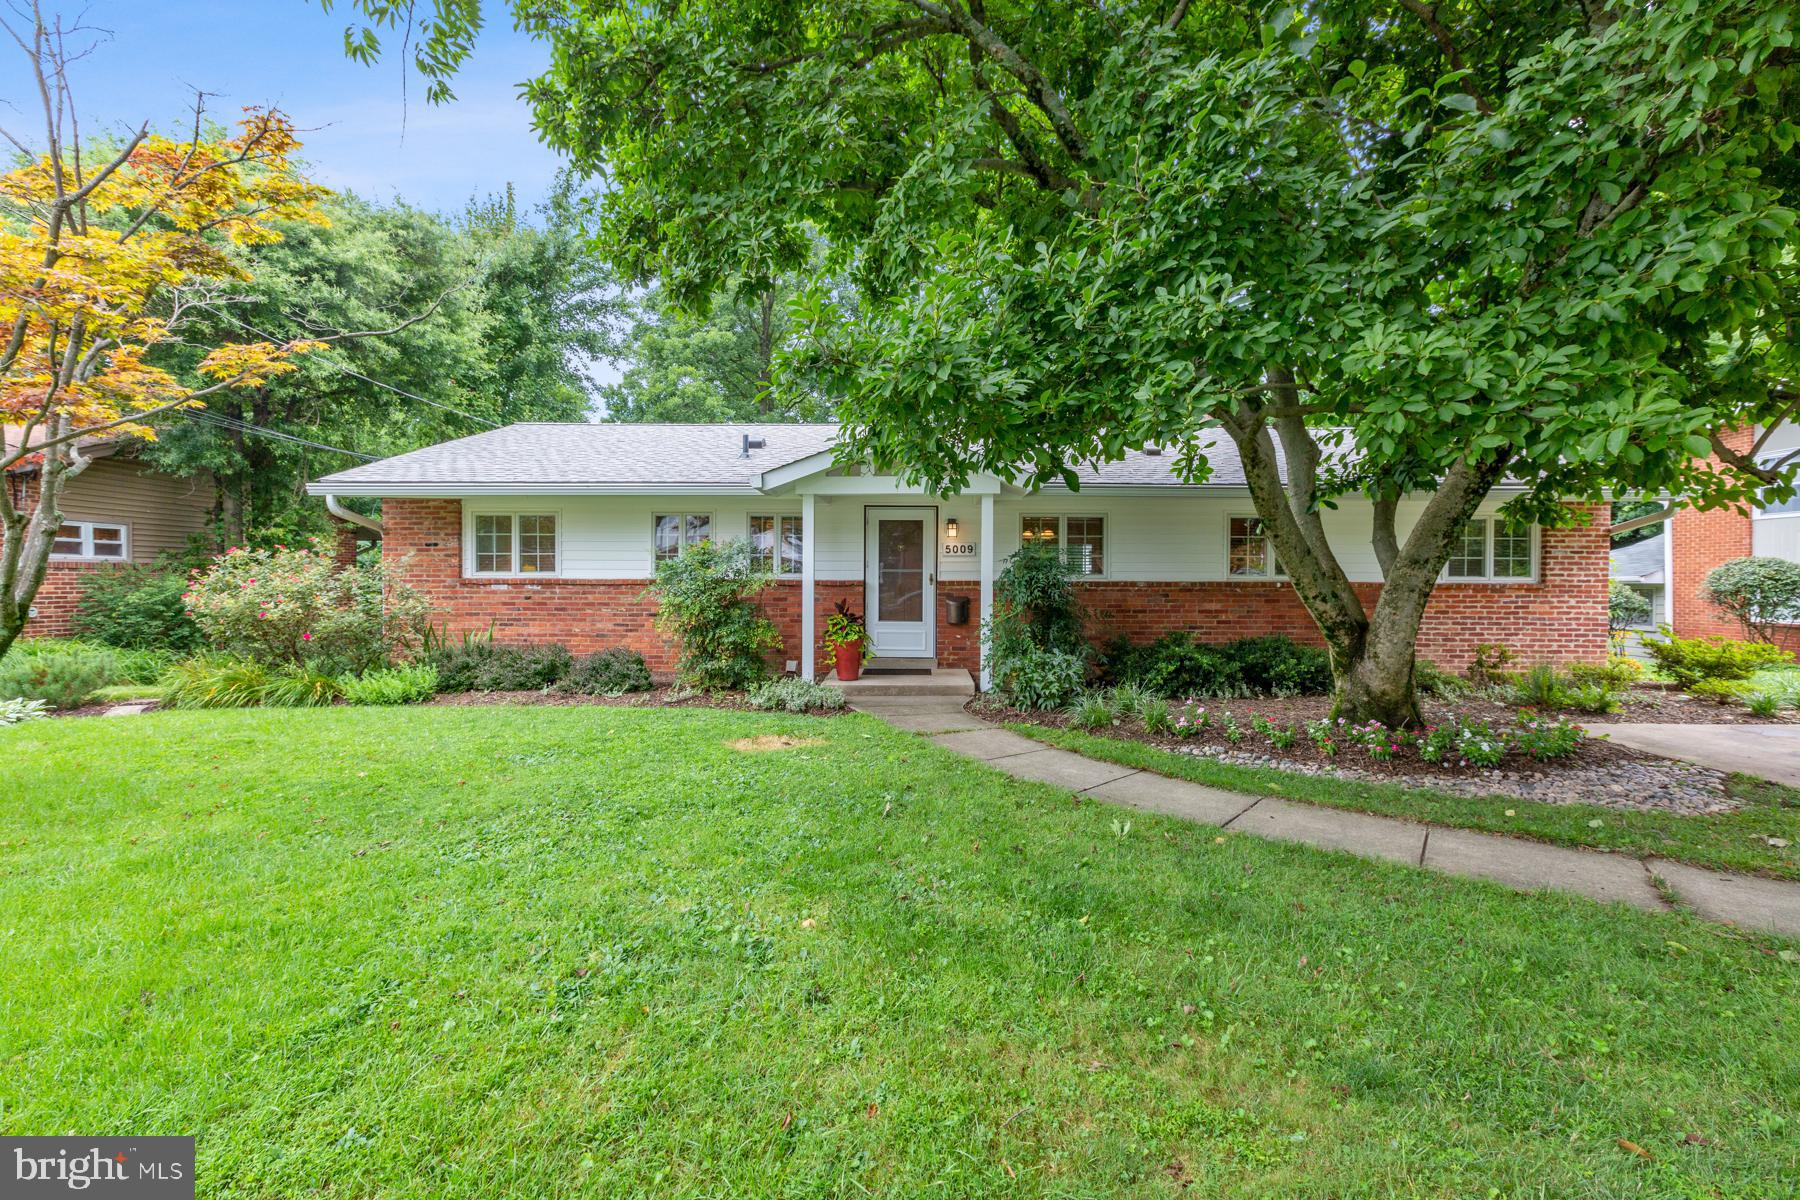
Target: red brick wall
1700 541
63 585
1561 618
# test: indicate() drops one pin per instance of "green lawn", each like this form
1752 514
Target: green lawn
536 952
1734 841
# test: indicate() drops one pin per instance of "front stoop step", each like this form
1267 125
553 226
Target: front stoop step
943 681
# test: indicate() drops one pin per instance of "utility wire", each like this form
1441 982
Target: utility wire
341 369
237 426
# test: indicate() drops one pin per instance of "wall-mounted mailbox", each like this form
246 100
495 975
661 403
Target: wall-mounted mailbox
956 610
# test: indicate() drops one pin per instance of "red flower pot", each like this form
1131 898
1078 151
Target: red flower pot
849 661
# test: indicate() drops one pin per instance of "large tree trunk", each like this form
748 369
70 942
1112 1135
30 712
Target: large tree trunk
26 538
1372 654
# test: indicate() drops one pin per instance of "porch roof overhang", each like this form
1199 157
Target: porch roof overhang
811 475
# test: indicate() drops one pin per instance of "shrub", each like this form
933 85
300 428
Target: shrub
795 695
130 666
458 662
705 606
297 605
392 685
1091 711
213 681
1490 661
1626 607
17 712
1723 691
61 680
1762 593
1433 680
1040 679
1035 621
137 608
1176 665
1689 661
611 672
1618 672
521 668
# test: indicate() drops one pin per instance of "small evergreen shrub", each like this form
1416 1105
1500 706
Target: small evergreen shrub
522 668
61 680
1626 607
1176 665
706 606
392 685
610 672
1723 691
1618 671
1762 593
137 608
1689 661
795 695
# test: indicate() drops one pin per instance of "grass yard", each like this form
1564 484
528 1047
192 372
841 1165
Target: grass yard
540 952
1734 841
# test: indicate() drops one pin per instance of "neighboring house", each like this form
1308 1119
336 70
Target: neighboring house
118 510
1701 541
1643 567
552 531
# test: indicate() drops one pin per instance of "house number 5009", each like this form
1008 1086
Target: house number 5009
959 549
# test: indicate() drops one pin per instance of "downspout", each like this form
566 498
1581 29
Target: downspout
355 518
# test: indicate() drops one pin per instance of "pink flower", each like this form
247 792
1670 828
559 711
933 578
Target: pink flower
263 615
306 637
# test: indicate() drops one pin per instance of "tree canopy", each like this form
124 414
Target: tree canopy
1546 241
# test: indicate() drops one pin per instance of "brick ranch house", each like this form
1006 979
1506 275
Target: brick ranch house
118 510
550 532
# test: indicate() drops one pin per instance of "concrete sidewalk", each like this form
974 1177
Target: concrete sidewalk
1746 901
1765 751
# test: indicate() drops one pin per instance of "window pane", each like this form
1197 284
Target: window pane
900 570
791 545
1086 548
1469 558
1038 531
68 540
1248 549
762 542
493 544
1512 552
668 536
537 545
109 541
699 529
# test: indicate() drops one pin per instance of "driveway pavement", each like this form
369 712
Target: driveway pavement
1766 751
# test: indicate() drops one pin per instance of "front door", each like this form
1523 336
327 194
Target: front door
900 581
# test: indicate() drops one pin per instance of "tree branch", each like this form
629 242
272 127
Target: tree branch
1429 18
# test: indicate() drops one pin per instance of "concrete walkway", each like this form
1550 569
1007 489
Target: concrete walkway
1742 900
1765 751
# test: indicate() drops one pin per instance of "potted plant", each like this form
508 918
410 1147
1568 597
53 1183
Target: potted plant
848 640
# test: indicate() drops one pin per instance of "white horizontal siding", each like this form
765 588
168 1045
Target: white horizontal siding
1177 538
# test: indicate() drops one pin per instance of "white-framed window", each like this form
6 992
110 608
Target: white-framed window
514 544
92 539
1083 539
671 533
1493 550
1249 554
776 540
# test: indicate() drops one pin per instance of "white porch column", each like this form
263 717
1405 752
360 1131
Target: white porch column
987 581
809 538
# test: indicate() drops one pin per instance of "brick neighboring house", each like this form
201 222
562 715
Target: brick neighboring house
553 531
1701 541
118 510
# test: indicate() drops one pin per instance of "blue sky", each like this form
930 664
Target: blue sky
363 136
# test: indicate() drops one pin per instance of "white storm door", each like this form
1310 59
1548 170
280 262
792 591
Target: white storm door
900 581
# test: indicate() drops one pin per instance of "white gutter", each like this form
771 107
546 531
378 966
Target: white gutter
343 514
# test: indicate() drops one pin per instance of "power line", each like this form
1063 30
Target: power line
341 369
237 426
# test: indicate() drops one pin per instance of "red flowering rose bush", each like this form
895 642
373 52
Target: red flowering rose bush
298 605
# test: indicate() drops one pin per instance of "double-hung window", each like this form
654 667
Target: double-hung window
1082 539
1249 554
91 539
776 542
515 544
675 532
1491 550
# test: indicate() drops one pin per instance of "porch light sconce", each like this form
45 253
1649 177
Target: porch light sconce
950 527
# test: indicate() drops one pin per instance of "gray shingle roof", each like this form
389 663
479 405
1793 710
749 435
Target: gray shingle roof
1641 561
625 457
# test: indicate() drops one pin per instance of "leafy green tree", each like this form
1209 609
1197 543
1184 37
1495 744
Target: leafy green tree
1551 242
483 321
683 366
